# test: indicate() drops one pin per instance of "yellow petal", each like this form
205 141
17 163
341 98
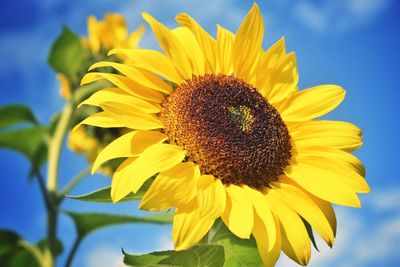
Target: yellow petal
116 95
268 253
192 48
238 215
295 240
172 188
130 117
322 184
332 134
206 41
135 37
130 176
144 78
338 157
152 61
263 211
336 168
126 84
281 82
188 227
102 120
171 46
93 32
65 87
312 103
128 145
327 209
306 208
248 44
225 41
211 197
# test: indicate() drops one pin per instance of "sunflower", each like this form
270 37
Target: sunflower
225 130
103 36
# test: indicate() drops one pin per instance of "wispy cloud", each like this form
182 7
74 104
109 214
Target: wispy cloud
338 15
104 256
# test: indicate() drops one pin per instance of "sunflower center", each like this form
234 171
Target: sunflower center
228 129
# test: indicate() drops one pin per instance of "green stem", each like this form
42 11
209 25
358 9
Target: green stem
74 181
52 220
55 146
72 252
43 189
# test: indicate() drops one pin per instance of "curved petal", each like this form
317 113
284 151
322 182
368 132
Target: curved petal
130 117
321 184
116 95
128 145
100 119
135 37
311 103
295 240
171 46
280 81
269 251
248 44
306 208
126 84
206 41
132 174
144 78
238 215
172 188
336 156
151 60
189 227
332 134
262 210
211 197
225 40
336 169
192 48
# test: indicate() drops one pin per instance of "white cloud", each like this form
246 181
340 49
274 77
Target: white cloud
339 15
104 256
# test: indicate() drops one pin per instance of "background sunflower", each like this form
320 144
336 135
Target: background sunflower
360 40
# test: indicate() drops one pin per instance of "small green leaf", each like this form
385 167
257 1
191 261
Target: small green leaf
103 195
68 56
200 255
310 233
238 252
8 242
28 141
12 251
14 114
89 222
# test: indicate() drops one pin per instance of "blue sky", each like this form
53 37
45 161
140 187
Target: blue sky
353 43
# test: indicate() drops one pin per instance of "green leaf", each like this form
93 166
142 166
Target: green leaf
88 222
103 195
310 233
238 252
8 242
14 114
28 141
68 56
200 255
13 253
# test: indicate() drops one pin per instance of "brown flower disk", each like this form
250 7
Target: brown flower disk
228 129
